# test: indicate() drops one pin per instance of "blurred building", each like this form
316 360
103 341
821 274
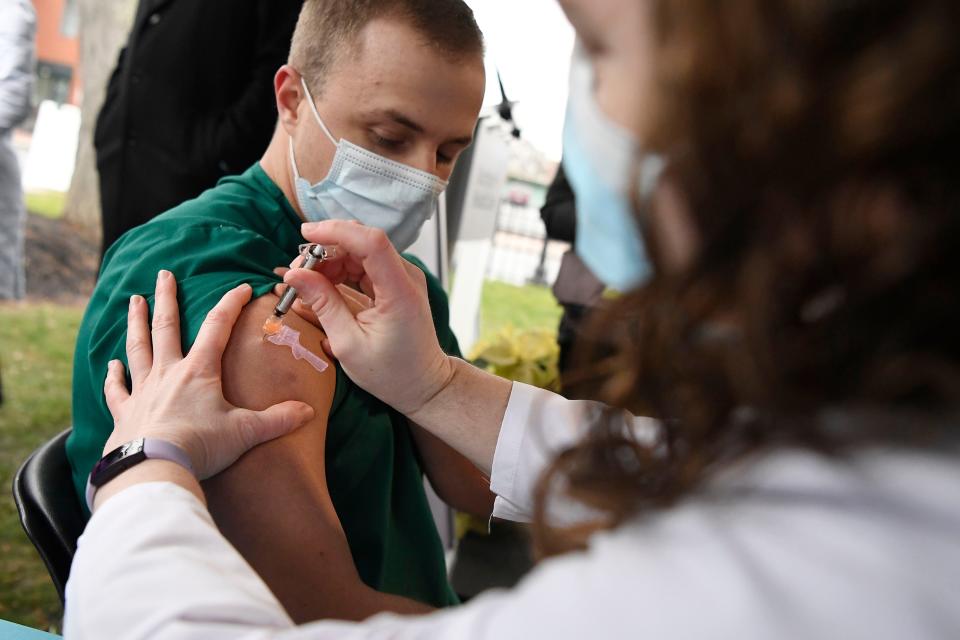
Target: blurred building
530 165
521 252
58 53
47 156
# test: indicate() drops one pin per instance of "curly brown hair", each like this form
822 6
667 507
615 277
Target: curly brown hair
814 143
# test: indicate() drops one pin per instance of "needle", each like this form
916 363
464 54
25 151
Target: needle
312 254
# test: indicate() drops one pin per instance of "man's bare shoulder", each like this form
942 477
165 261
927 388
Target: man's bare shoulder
258 373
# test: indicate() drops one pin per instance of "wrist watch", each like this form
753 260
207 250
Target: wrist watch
129 455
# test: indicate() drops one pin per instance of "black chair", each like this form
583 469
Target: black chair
49 510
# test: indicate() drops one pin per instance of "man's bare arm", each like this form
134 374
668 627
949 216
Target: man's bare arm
273 503
455 479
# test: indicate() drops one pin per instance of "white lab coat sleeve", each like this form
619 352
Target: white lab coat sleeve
797 546
156 546
537 426
152 564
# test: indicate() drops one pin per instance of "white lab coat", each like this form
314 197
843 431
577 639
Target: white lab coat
792 545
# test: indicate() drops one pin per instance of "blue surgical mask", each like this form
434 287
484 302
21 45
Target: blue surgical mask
364 186
599 158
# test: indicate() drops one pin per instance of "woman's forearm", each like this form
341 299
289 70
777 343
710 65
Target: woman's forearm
467 412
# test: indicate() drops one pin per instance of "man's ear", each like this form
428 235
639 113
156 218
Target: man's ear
289 94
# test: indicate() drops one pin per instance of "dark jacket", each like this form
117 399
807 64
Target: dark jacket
191 100
576 288
559 210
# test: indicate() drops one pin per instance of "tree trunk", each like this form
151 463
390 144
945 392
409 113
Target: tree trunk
103 31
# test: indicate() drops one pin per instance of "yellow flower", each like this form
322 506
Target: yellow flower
524 356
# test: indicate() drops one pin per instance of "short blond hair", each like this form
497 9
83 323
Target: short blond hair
327 29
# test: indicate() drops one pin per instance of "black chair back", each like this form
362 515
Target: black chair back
49 510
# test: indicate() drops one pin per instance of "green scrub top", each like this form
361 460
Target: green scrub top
239 232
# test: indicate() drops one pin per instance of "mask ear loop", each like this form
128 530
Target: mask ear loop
293 159
316 114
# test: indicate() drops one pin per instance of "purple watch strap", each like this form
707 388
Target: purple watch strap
153 449
162 450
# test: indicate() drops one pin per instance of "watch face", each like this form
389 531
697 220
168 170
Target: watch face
117 461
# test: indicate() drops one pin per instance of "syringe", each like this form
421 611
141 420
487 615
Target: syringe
312 254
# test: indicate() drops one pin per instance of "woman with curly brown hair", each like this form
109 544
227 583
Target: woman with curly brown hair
772 185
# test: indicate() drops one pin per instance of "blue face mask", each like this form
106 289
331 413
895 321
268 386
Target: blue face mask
364 186
598 159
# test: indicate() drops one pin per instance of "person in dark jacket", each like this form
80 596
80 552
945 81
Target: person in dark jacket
576 288
191 100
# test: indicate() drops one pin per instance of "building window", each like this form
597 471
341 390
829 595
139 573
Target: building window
53 82
70 20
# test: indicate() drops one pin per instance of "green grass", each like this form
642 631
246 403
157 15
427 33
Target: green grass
36 352
528 307
48 204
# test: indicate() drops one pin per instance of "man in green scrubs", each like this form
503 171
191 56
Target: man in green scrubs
337 507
